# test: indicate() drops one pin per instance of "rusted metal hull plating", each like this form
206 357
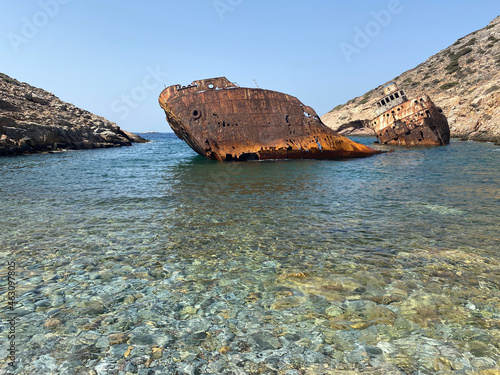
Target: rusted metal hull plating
411 123
222 121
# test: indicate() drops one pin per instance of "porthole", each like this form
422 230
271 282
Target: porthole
196 114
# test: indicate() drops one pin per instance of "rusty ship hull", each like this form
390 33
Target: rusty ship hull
222 121
415 122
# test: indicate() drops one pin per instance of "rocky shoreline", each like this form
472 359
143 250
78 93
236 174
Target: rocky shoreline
33 120
463 79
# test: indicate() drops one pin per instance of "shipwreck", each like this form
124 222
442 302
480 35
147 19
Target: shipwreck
409 122
223 121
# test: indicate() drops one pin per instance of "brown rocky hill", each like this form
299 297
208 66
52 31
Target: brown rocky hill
463 79
33 120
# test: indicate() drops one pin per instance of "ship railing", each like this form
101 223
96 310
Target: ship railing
179 87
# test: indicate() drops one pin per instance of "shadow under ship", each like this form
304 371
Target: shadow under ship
222 121
414 122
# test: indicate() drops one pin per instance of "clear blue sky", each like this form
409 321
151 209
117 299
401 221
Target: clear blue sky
114 57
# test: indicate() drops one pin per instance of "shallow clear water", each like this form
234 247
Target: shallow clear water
151 258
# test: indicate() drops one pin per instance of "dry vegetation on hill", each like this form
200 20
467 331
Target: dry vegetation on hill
463 79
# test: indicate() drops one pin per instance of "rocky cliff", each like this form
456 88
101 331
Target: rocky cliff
463 79
34 120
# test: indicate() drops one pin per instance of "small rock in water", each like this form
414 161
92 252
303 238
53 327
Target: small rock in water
336 309
142 339
265 341
118 338
93 307
373 351
52 323
470 306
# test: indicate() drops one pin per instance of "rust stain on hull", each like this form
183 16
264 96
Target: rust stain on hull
222 121
416 122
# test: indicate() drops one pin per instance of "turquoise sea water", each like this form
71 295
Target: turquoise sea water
153 260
